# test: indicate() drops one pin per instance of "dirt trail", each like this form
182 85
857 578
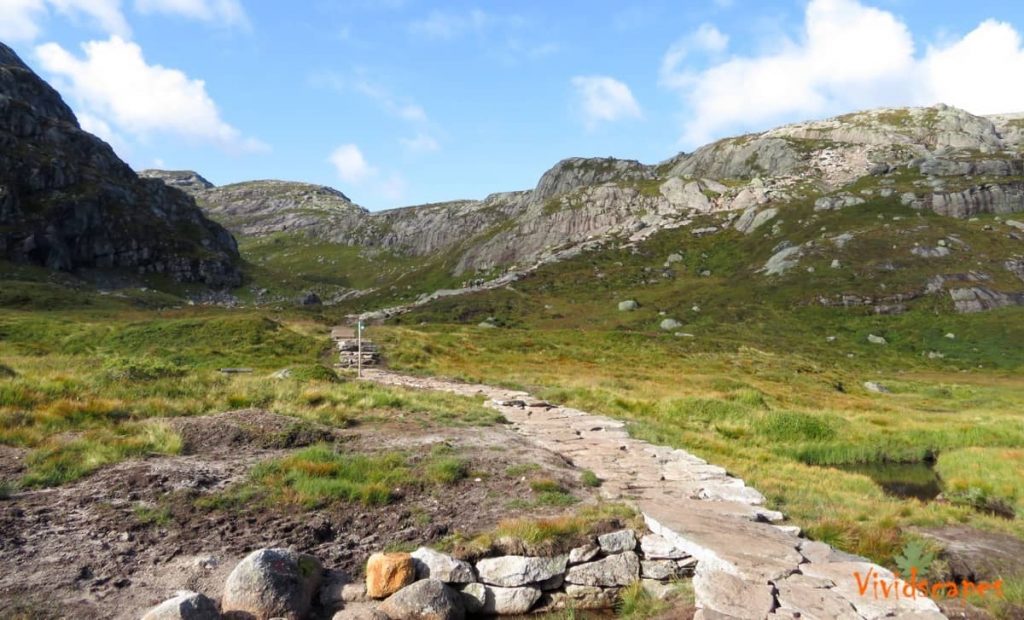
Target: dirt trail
751 566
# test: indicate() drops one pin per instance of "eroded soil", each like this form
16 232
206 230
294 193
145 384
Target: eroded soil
129 536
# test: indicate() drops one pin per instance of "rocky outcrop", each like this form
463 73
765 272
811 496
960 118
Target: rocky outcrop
260 208
188 181
1001 199
67 202
576 172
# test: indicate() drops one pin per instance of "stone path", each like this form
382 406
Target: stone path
750 566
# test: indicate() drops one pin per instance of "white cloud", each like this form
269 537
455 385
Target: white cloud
352 167
104 13
20 21
445 25
350 164
223 12
113 83
980 72
849 56
604 99
421 143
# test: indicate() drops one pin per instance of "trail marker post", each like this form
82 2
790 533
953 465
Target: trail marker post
359 347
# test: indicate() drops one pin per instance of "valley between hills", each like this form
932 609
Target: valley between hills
830 311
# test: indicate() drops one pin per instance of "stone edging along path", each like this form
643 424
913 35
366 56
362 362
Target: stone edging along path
748 566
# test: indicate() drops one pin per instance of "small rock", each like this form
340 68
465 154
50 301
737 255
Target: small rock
628 305
830 338
332 590
498 601
936 355
873 339
433 565
486 325
836 264
387 573
185 606
670 324
673 258
270 583
585 553
617 542
474 595
428 599
657 547
951 336
875 387
661 570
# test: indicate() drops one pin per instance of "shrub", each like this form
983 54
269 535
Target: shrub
140 369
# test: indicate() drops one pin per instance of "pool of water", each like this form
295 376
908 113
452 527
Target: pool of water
904 480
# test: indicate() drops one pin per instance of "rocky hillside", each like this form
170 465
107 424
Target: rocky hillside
67 202
937 159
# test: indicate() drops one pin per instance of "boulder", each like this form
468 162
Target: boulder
874 386
658 590
433 565
670 324
613 571
185 606
628 305
428 599
271 583
977 555
617 542
511 571
387 573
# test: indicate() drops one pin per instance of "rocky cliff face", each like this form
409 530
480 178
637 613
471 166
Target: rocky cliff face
68 202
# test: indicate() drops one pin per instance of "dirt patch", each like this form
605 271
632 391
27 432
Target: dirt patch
251 428
129 536
12 463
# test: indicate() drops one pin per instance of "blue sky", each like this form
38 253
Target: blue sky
400 102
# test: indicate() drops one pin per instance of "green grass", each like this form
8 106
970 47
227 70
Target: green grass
316 476
636 604
985 478
590 479
320 475
76 415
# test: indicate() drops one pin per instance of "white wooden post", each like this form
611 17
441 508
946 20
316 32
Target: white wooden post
359 345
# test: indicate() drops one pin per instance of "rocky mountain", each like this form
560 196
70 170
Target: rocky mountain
68 202
939 159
